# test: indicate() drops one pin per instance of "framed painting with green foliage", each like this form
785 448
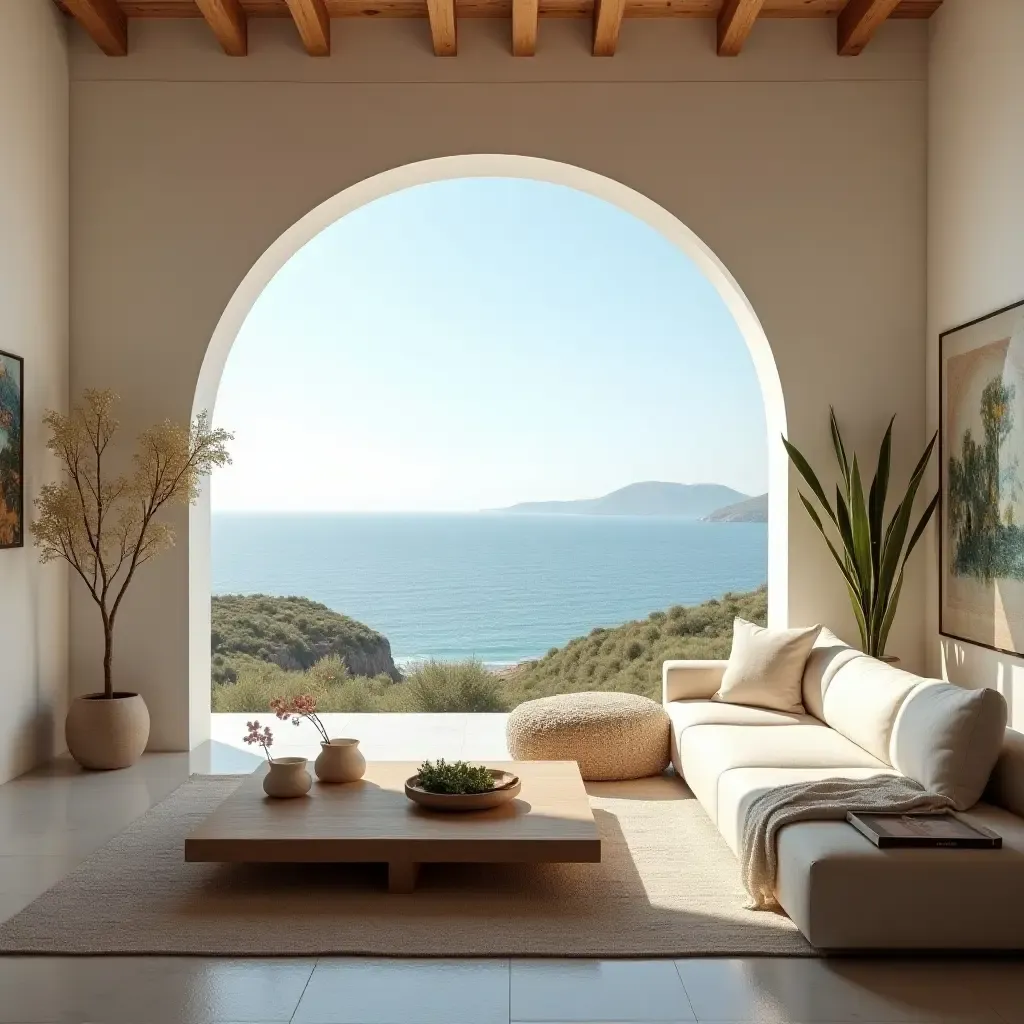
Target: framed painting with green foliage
981 545
12 455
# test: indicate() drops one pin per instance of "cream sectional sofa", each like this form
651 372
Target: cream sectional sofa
863 718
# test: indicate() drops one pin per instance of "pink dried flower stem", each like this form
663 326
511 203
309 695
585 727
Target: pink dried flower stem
297 708
264 738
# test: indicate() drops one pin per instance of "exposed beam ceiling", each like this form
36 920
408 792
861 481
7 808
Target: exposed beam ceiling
442 27
524 27
104 21
859 21
314 25
735 20
607 22
228 21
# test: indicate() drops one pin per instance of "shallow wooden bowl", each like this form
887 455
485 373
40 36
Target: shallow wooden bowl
506 787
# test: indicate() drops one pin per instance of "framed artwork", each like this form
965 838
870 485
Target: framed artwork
981 459
12 453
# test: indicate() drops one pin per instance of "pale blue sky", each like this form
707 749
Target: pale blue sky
473 343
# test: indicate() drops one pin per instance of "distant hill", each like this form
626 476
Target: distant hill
753 510
652 498
628 658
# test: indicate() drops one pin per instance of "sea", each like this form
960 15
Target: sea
501 588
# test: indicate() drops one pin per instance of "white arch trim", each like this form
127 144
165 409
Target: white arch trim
485 165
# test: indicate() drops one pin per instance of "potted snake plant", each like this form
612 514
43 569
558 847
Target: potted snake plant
870 550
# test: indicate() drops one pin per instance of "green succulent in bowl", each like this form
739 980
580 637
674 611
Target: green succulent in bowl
457 778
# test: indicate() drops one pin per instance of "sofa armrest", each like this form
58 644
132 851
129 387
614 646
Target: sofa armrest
691 680
1006 786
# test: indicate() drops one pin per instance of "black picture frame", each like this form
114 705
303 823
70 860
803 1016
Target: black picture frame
944 337
18 541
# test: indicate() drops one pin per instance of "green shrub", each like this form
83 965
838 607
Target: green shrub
456 686
458 777
634 649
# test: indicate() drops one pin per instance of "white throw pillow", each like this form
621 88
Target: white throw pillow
766 666
949 739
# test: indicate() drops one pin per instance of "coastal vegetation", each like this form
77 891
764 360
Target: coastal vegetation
624 658
294 634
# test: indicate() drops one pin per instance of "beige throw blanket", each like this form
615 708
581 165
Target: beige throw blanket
827 800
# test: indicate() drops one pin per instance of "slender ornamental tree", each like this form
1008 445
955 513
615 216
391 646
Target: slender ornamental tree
874 553
104 524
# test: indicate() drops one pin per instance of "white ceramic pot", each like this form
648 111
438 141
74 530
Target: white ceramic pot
340 761
103 734
287 778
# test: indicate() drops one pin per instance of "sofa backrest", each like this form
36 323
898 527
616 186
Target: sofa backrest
828 655
946 737
949 738
1006 786
862 702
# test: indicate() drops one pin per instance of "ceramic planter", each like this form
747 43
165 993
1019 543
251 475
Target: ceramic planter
506 788
287 778
104 734
340 761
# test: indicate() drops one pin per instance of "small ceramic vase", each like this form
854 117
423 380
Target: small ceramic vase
287 778
340 761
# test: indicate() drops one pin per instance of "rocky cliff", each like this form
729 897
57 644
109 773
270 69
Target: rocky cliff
294 633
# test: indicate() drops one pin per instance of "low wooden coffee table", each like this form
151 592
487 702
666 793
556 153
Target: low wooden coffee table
372 821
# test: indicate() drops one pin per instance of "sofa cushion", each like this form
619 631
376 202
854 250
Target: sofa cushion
862 701
828 655
949 738
738 788
706 752
685 714
766 666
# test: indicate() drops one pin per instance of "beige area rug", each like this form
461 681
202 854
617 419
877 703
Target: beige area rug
667 886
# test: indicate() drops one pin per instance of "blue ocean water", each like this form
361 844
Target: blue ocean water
496 587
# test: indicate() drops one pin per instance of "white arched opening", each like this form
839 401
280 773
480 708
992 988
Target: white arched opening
442 169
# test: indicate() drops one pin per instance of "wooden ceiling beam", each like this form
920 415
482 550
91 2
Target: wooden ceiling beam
735 20
442 27
104 21
524 27
314 25
228 21
858 22
607 22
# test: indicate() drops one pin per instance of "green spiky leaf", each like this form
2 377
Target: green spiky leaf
837 443
804 469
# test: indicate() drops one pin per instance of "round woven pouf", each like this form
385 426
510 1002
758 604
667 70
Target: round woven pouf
611 736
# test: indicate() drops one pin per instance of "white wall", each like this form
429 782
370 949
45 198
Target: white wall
976 235
34 325
804 172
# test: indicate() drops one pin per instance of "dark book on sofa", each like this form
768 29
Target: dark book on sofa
924 830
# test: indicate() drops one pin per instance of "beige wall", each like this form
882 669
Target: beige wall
34 325
804 173
976 235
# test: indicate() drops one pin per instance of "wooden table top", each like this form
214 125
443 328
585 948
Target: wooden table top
373 820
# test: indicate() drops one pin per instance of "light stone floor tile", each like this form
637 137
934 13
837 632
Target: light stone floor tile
374 991
586 990
154 990
12 903
1002 982
780 991
35 873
